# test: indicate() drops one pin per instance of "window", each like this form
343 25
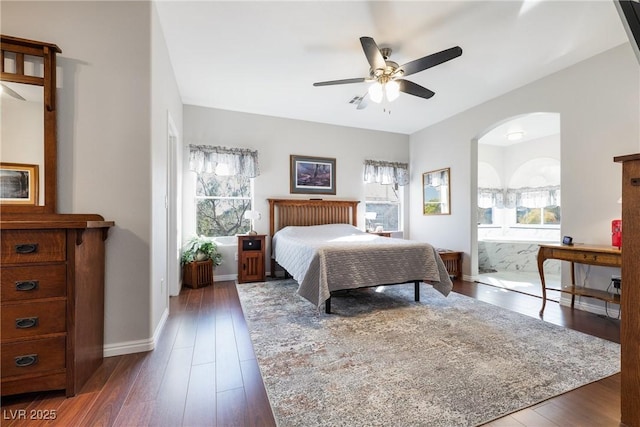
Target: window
384 201
224 188
221 202
538 206
549 215
383 196
485 216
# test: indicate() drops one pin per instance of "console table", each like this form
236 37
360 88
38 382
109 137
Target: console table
607 256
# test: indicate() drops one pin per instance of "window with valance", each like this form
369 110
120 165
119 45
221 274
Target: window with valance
224 189
533 205
223 160
386 173
383 194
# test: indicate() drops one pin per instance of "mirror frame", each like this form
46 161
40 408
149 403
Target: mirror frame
47 51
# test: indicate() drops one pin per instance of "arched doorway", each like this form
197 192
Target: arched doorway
518 200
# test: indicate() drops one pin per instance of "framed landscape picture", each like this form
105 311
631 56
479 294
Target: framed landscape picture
436 192
18 184
312 175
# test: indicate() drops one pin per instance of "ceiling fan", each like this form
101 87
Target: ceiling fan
387 76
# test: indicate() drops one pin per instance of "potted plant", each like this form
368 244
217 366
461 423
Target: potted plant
199 256
200 248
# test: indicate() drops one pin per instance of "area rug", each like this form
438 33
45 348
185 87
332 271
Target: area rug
382 359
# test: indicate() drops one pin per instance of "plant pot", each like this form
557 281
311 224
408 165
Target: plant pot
201 256
197 274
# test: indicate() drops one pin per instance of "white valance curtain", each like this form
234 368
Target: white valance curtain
238 161
537 197
386 172
491 198
526 197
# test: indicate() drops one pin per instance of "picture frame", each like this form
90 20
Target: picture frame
436 192
18 184
312 175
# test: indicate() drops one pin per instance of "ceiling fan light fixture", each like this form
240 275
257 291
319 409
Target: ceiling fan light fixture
392 90
375 92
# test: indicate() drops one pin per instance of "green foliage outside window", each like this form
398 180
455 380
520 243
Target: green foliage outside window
546 215
221 204
433 206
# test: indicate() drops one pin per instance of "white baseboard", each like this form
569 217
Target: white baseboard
137 346
224 277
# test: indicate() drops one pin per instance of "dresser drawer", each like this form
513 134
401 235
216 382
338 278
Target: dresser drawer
587 257
20 246
33 318
33 356
38 281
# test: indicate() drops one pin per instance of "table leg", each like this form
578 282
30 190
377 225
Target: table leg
541 259
573 283
416 290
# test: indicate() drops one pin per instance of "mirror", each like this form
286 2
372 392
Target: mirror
22 134
28 170
436 192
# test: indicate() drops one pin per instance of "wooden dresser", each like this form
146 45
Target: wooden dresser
630 300
52 278
51 265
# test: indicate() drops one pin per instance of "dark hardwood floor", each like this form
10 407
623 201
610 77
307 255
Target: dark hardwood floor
203 372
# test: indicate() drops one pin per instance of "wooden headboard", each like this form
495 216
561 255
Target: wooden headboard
284 212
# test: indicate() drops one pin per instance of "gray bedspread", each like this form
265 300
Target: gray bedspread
326 258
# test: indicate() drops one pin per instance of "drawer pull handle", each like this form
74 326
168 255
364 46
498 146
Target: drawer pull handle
27 285
26 322
27 248
26 360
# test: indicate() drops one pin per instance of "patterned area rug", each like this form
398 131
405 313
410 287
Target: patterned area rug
382 359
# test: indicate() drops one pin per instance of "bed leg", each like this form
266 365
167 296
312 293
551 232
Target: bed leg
327 306
416 290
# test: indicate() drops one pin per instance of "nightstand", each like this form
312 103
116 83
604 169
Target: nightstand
251 250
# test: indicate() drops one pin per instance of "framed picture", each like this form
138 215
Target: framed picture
18 184
436 193
312 175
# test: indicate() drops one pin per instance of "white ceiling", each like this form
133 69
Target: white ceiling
263 57
531 126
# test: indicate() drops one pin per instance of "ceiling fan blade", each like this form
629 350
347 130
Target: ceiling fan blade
364 101
430 60
11 92
372 52
340 82
414 89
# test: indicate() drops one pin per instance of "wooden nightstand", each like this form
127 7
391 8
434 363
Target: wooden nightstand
453 261
251 249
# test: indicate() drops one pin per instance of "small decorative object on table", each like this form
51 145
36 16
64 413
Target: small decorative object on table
252 216
199 256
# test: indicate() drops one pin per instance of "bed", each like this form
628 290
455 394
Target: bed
318 243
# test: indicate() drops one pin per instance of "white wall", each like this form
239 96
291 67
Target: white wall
104 140
599 103
277 138
166 105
